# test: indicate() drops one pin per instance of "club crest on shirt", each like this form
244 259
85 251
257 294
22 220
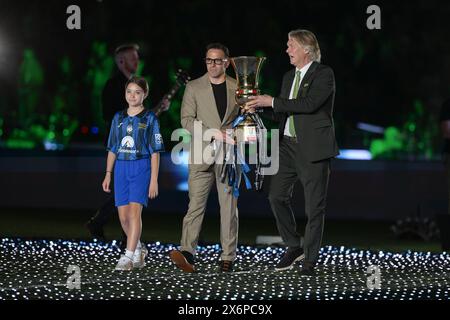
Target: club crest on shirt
129 129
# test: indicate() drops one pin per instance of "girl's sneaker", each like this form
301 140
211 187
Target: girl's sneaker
124 264
139 259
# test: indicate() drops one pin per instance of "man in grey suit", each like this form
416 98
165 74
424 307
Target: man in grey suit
305 111
208 103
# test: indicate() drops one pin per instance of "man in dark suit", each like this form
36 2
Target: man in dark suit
444 121
307 143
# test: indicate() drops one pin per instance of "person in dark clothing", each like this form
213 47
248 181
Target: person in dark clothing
444 119
305 111
127 61
126 57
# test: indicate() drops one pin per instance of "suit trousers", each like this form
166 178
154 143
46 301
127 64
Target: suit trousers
314 177
447 168
200 183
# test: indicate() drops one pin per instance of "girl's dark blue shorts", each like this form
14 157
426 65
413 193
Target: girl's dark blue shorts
131 181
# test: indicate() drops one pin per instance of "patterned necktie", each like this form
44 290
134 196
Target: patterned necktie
294 95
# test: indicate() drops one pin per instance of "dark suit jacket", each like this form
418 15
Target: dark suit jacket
113 96
312 110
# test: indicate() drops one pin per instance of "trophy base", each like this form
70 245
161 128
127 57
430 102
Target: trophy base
246 132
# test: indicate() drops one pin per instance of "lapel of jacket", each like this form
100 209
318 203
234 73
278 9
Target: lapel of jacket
305 81
308 74
208 104
231 102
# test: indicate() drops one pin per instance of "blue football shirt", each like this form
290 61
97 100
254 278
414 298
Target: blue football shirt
137 137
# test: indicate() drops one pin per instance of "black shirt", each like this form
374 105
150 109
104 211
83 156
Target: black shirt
220 95
113 96
445 116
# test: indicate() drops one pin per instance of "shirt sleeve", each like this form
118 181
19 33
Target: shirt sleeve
113 143
155 139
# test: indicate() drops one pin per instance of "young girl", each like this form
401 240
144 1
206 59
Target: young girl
133 146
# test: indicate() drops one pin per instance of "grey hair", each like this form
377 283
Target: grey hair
308 41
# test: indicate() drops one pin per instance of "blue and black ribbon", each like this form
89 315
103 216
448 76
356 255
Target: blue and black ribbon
235 167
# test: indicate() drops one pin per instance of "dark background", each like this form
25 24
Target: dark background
395 78
390 77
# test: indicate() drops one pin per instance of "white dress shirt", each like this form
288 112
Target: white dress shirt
302 76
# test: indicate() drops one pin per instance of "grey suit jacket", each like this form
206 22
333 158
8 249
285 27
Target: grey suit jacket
199 109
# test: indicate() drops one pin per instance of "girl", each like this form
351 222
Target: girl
135 142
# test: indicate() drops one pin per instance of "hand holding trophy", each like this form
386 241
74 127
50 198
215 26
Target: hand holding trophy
247 127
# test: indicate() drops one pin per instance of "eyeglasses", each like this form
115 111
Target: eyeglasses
216 61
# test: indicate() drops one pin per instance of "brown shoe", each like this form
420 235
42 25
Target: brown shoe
225 266
183 260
